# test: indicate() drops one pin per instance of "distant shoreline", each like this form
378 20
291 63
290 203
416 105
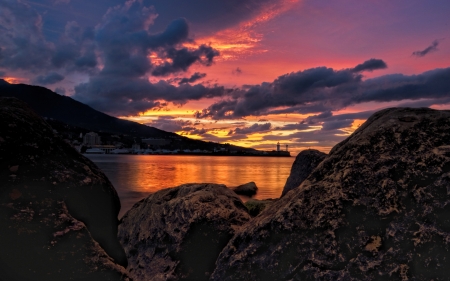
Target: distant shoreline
197 154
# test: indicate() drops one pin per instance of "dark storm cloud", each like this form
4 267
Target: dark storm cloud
429 49
425 102
370 65
255 128
325 138
23 47
300 88
296 126
431 84
121 42
2 73
325 90
328 121
128 96
329 117
194 131
49 79
336 124
122 86
196 76
170 124
182 59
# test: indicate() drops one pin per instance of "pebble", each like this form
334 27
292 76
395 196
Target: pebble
14 169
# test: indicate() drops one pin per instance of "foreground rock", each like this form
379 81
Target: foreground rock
305 162
255 207
249 189
177 233
58 211
377 208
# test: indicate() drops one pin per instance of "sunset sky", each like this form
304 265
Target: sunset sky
247 72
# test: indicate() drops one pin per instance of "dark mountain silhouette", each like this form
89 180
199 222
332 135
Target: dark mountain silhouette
67 110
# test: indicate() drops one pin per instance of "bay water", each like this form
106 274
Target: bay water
137 176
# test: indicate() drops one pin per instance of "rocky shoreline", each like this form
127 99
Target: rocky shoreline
376 207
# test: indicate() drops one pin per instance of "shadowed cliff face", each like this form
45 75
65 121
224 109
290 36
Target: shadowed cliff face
377 208
177 233
58 211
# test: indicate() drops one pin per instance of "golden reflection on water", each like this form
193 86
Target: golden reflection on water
136 176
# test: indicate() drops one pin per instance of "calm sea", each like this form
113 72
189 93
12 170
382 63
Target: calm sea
137 176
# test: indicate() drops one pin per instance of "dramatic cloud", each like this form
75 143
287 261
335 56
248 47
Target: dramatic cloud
292 127
431 84
310 138
22 44
49 79
370 65
117 57
325 90
170 124
429 49
194 131
337 124
255 128
182 59
212 16
122 87
196 76
128 96
300 88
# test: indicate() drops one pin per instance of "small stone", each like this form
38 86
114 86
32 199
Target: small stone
14 169
15 194
249 189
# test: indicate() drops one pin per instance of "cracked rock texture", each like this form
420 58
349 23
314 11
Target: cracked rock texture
305 162
58 211
177 233
377 208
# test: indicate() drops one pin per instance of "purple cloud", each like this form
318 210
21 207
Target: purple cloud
427 50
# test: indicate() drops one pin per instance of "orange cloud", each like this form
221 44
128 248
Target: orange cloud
14 80
242 39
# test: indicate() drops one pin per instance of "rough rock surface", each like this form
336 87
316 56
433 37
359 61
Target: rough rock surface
58 211
177 233
248 189
377 208
305 162
255 207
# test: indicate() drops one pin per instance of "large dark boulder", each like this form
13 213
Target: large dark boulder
58 211
305 162
177 233
377 208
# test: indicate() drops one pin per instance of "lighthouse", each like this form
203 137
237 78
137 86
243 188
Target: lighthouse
278 146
